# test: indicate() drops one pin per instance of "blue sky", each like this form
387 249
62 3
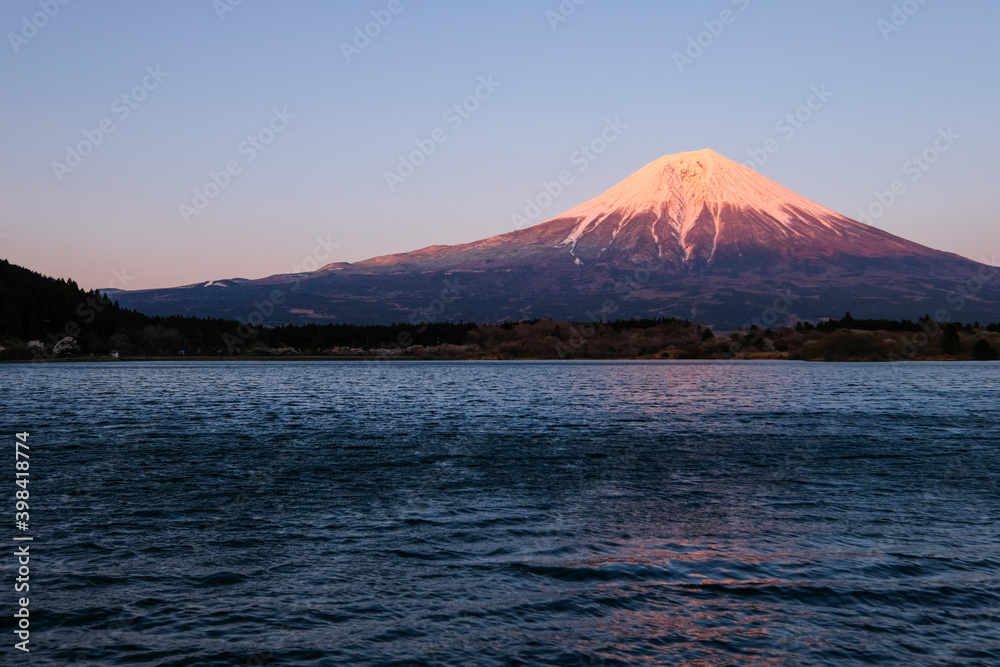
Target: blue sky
207 89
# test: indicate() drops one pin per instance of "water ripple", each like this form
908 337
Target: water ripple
512 514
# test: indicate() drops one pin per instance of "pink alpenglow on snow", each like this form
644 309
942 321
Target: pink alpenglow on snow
692 204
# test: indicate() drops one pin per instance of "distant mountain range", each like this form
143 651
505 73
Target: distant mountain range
692 235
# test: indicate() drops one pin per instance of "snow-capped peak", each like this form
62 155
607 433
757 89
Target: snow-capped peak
696 203
679 187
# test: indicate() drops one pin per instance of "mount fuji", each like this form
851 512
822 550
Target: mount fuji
692 235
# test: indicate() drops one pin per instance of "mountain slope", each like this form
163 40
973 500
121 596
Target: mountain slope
691 235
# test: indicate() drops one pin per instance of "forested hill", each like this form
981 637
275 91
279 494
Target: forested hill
38 314
33 306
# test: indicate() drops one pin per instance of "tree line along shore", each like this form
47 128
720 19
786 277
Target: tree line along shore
47 319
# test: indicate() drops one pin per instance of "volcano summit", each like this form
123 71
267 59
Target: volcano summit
692 235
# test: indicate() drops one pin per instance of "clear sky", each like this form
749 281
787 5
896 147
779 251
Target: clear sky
201 77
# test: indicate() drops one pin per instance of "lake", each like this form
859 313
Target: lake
367 513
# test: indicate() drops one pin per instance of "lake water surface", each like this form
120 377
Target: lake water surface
509 513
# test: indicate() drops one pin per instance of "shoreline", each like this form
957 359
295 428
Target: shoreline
402 359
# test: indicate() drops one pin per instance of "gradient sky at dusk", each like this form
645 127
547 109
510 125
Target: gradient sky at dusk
323 176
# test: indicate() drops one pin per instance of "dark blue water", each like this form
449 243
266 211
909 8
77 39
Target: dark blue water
510 514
